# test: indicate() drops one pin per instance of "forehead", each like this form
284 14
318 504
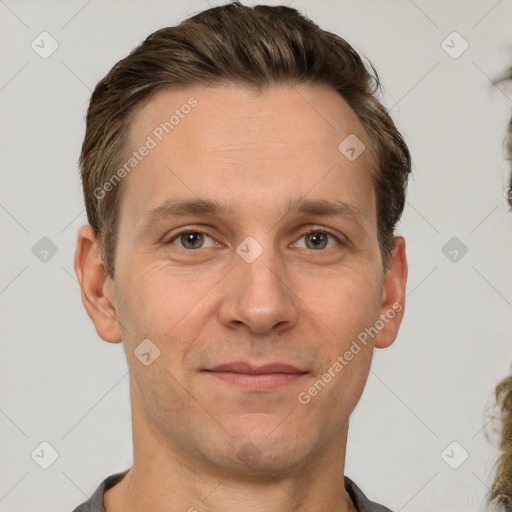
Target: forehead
302 113
275 144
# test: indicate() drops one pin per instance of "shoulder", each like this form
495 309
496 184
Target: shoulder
95 502
361 502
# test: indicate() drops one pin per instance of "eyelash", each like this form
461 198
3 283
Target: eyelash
303 233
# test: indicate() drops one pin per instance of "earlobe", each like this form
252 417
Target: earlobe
393 295
95 285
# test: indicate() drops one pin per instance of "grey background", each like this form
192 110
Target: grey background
63 385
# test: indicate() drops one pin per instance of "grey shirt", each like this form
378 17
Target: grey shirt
95 503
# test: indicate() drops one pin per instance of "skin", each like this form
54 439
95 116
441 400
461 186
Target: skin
298 303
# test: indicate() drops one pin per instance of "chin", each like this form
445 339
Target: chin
262 452
250 461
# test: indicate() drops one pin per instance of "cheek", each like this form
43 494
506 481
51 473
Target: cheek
145 293
349 309
162 305
159 393
346 302
332 395
153 307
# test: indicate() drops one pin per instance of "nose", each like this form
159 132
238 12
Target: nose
258 295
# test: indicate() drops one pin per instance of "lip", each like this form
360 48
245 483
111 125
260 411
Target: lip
242 367
257 378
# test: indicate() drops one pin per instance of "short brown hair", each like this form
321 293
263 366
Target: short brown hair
256 47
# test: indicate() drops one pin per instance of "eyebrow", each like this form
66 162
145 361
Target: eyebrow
182 207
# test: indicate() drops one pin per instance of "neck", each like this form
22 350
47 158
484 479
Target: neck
166 478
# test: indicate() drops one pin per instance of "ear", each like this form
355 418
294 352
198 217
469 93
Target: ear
97 288
393 295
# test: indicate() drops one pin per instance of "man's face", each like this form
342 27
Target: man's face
254 286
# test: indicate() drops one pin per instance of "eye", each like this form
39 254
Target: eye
316 239
190 239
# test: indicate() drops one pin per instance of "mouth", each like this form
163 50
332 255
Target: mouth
257 378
